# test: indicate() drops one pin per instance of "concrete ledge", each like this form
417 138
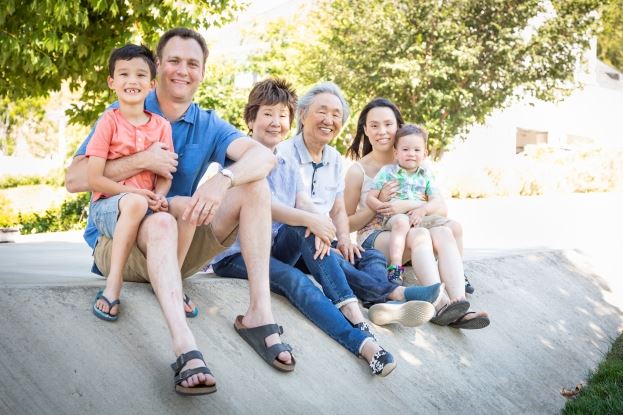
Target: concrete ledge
550 326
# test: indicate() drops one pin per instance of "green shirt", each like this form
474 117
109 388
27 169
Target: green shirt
418 185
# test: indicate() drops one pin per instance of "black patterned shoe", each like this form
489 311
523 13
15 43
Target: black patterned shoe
365 327
382 363
469 289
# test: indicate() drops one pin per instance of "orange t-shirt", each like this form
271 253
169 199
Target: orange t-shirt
115 137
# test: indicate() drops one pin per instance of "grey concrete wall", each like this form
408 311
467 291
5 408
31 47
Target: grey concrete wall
550 325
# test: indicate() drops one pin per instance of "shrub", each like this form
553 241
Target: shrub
72 214
7 216
54 178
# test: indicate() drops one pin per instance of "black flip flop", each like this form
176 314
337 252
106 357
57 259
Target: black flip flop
450 313
475 323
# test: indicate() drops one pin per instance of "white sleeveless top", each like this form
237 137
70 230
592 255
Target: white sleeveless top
365 187
376 223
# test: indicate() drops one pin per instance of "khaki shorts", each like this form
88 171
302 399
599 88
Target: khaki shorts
428 222
202 249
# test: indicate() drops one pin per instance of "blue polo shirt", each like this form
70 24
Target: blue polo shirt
200 137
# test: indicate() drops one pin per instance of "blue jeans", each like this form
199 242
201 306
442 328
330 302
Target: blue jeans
368 276
290 246
300 291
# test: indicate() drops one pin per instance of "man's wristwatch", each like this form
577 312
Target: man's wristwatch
228 173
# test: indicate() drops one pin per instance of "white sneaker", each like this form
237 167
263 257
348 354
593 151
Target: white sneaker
409 313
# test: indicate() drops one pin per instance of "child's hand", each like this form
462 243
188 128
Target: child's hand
416 216
154 205
164 204
148 194
161 205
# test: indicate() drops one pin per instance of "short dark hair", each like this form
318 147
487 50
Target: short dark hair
361 143
270 92
184 33
411 129
129 52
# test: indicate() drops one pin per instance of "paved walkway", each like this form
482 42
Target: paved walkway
555 310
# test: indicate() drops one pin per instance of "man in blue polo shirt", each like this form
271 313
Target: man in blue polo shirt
199 137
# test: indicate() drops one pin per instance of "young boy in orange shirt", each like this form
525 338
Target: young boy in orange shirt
118 208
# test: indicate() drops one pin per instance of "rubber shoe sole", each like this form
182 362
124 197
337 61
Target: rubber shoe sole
410 313
387 369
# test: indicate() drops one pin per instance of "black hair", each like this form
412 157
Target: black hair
358 149
129 52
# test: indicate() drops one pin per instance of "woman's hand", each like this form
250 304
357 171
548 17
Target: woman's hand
322 226
395 207
322 249
349 250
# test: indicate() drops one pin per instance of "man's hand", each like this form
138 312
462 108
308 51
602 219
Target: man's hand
206 201
389 190
416 216
160 160
322 226
349 249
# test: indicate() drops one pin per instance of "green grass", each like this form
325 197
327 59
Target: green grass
604 392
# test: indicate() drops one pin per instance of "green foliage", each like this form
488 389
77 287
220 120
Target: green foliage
47 41
610 40
286 42
446 64
55 178
604 393
19 119
72 214
7 216
219 92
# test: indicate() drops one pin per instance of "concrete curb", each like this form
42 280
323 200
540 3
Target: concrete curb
550 326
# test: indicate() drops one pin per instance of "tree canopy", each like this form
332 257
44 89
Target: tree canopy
445 63
44 42
610 40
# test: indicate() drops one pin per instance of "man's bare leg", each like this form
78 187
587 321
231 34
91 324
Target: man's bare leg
160 229
185 230
248 206
185 233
